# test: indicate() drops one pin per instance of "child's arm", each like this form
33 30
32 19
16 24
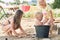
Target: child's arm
12 29
44 20
51 18
48 22
22 29
37 22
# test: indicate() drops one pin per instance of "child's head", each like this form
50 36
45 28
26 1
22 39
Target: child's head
19 13
39 16
17 18
42 2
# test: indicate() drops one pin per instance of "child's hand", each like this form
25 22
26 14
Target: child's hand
16 34
52 19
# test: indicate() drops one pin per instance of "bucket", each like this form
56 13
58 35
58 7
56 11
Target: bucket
42 31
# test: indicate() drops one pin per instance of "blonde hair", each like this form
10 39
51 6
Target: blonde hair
38 13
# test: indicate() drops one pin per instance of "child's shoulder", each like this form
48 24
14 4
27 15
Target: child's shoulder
35 20
10 18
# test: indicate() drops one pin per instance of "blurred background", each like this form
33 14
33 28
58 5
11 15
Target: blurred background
28 6
8 8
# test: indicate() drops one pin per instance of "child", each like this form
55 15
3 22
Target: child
42 28
40 21
38 18
14 23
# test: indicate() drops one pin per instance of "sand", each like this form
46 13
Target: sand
28 26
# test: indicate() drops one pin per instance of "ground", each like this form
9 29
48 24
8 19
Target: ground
27 25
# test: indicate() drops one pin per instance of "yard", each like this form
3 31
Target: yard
27 22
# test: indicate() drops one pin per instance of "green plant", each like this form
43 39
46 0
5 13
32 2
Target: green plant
56 4
26 15
59 15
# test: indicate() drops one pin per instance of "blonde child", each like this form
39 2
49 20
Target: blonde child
39 20
47 12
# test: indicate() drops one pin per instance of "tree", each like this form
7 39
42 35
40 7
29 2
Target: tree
56 4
